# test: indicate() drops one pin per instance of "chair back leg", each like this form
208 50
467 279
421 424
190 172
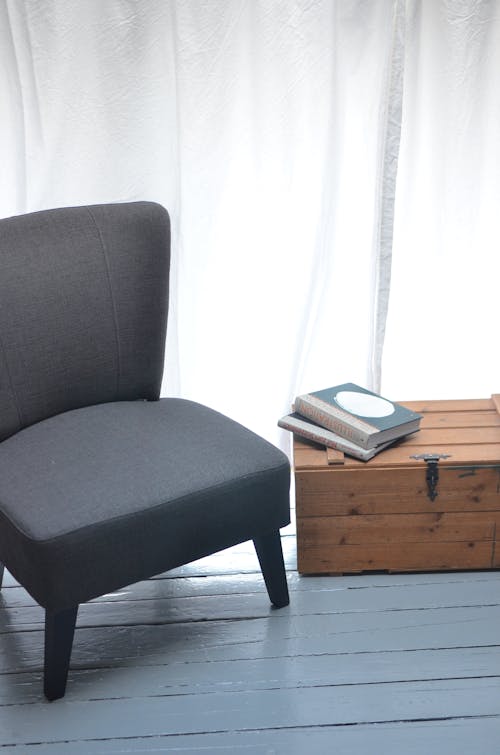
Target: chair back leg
270 555
59 631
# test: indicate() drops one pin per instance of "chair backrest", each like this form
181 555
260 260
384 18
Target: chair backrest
83 309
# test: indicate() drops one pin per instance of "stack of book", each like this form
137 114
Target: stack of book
351 419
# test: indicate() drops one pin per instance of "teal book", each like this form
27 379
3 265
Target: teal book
357 414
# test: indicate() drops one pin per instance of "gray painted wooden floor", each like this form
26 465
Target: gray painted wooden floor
197 661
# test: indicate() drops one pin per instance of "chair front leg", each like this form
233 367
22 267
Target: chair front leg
270 555
1 574
59 631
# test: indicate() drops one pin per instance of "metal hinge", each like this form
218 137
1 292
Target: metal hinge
432 473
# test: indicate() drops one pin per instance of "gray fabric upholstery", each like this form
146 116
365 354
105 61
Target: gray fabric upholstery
101 483
83 303
100 497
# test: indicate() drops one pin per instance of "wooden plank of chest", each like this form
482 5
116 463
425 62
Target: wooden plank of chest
452 405
460 419
399 528
400 542
458 422
318 559
453 436
394 491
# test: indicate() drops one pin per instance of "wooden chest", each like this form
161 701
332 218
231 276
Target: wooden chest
401 513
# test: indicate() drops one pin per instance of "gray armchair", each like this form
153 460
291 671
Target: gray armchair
102 483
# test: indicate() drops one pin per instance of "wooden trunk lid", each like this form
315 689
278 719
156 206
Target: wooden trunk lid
467 431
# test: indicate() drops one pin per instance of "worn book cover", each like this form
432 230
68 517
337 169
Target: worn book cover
306 429
357 414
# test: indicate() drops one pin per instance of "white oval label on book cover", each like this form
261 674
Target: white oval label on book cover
364 405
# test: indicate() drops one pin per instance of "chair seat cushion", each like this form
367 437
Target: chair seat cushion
100 497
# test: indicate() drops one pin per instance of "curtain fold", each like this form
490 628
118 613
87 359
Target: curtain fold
389 131
330 167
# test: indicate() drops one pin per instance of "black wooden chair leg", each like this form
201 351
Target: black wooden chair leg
59 631
1 574
270 555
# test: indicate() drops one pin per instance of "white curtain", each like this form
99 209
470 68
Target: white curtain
442 331
288 139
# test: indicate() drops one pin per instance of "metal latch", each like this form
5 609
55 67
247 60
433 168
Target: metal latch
432 473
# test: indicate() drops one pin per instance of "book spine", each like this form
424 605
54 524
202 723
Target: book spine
319 438
331 422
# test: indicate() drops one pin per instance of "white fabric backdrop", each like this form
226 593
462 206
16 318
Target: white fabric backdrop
270 130
442 333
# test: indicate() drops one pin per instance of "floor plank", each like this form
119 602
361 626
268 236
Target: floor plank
203 677
249 710
253 604
455 737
